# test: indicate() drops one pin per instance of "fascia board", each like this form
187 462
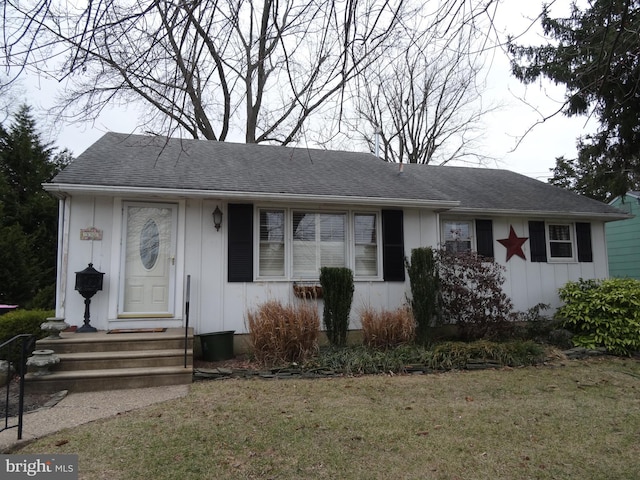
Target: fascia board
607 217
62 190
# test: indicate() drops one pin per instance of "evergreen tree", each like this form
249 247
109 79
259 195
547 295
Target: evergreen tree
28 214
595 53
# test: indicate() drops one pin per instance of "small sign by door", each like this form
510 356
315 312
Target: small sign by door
91 233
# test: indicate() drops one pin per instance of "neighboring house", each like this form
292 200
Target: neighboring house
140 210
623 238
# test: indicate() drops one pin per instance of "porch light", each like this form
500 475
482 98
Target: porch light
217 218
88 282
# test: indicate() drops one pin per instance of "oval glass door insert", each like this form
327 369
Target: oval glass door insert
149 244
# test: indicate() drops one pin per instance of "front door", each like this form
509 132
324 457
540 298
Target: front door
148 270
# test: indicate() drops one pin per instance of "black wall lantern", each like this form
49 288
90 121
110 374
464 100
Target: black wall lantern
88 282
217 218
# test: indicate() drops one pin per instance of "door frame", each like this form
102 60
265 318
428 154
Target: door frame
133 320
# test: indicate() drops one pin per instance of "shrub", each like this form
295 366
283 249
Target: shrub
450 355
362 360
472 295
337 292
446 356
385 329
543 329
603 313
23 321
537 326
425 290
284 334
19 322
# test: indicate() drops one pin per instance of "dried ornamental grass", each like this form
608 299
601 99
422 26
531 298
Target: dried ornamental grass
282 334
387 328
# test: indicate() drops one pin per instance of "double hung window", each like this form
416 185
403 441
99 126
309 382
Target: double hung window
366 244
297 243
560 241
318 241
271 255
456 235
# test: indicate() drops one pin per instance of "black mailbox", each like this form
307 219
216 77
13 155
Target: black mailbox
88 282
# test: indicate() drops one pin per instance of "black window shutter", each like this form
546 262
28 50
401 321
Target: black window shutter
392 246
583 240
240 249
537 242
484 238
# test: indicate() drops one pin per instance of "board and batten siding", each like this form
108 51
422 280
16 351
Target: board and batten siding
217 304
528 283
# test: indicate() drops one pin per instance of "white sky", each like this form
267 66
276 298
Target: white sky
534 155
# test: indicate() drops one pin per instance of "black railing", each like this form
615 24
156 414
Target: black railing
15 352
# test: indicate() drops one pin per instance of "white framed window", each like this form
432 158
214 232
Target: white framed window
318 241
296 243
272 249
560 240
457 235
365 227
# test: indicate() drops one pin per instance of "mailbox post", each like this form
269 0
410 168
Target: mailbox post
88 282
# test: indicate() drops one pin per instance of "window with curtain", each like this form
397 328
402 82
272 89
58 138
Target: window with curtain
560 241
456 236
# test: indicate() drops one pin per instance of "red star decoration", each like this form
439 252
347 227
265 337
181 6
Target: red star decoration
514 244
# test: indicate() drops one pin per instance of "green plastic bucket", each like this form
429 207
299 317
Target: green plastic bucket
217 346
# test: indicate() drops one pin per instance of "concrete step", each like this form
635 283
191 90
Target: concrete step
122 359
108 379
105 361
172 338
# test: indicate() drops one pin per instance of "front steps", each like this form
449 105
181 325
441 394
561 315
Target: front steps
110 361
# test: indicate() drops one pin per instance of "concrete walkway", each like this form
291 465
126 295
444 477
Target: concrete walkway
79 408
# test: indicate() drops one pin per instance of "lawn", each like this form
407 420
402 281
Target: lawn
576 419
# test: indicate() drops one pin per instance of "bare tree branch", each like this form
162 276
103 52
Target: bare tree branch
424 101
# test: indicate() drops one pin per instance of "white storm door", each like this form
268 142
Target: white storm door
148 268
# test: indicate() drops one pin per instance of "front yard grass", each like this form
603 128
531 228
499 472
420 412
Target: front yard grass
579 419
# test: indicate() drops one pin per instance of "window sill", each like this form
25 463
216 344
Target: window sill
555 261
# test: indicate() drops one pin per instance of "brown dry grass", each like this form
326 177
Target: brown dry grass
575 420
280 334
387 328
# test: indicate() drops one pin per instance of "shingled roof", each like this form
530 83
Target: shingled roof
139 164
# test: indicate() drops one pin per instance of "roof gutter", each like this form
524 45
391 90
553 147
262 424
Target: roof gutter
62 190
607 217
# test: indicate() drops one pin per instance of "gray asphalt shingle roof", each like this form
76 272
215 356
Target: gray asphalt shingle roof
134 161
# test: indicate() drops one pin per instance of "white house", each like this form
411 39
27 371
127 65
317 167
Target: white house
140 210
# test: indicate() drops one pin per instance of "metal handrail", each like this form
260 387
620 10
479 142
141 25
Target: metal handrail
186 315
28 341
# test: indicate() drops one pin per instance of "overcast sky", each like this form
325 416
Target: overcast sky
521 107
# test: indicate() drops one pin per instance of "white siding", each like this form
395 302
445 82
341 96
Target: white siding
217 305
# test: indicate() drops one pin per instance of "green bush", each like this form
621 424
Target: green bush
425 291
363 360
603 313
20 322
23 321
360 360
337 292
457 355
281 334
